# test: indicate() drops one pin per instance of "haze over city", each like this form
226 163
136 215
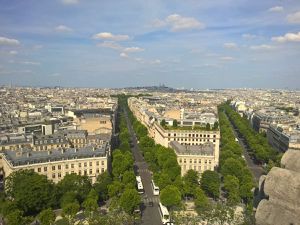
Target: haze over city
192 44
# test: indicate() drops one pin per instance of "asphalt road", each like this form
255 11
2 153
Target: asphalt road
255 169
150 214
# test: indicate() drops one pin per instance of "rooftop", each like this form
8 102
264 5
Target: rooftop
27 156
204 149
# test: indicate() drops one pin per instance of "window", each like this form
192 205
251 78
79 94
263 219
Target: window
79 164
59 167
97 171
53 176
45 169
180 160
59 175
85 172
91 171
102 170
67 166
39 169
102 163
72 166
191 161
184 160
91 163
85 164
97 163
79 173
53 167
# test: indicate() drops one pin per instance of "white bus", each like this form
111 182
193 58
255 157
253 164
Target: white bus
164 214
154 188
139 185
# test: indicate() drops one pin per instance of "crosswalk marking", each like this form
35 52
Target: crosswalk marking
143 170
153 199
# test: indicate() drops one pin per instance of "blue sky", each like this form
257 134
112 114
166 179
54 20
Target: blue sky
193 43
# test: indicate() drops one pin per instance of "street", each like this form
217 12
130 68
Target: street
255 169
150 214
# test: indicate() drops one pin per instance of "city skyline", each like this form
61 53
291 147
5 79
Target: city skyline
195 44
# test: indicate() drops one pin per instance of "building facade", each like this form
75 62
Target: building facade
57 163
188 137
195 157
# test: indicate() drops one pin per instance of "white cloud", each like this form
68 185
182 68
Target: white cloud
110 44
179 23
276 9
294 18
13 52
227 58
230 45
156 61
31 63
111 37
262 47
289 37
133 49
124 55
70 2
63 28
249 36
8 41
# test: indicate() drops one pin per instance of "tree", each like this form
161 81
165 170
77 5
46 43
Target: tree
233 167
16 218
129 200
121 163
115 189
191 182
210 183
70 210
101 185
175 123
47 217
90 204
207 127
31 192
216 125
81 185
163 123
201 201
231 185
68 197
129 178
170 196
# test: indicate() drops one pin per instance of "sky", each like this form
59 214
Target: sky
198 44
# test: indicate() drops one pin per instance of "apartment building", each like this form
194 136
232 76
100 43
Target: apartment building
195 157
57 163
282 140
192 137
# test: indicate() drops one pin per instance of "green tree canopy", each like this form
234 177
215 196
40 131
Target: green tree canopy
101 185
129 200
210 183
163 122
170 196
231 185
31 192
81 185
46 217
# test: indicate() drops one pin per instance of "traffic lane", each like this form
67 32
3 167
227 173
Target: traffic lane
255 169
150 214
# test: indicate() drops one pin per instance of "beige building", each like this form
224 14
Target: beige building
195 157
188 137
55 164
